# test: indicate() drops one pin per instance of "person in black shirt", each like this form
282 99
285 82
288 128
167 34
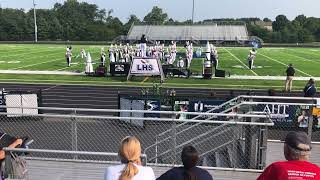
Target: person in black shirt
290 73
310 88
143 45
189 171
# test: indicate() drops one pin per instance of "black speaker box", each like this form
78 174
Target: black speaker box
220 73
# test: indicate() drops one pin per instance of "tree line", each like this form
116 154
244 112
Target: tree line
81 21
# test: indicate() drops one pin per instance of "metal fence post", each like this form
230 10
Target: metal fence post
74 131
262 148
156 150
310 125
174 141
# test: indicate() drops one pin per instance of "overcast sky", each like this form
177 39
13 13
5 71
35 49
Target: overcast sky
204 9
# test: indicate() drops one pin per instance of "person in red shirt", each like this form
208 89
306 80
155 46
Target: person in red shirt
297 149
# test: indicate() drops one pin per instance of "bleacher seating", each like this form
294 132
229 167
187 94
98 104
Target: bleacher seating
188 32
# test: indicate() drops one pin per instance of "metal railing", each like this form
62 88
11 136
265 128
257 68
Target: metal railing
173 133
100 133
217 134
74 153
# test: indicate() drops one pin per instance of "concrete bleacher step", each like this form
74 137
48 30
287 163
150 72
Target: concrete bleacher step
53 170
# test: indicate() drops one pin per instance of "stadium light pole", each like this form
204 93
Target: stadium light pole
192 11
35 22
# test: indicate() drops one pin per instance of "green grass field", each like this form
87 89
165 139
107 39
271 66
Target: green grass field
269 62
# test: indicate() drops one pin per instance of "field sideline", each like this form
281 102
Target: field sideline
269 62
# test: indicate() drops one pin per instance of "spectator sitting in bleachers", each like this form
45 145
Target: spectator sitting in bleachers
7 141
297 149
189 171
130 169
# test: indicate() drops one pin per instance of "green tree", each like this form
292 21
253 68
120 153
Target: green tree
312 24
281 23
261 32
300 19
133 19
156 16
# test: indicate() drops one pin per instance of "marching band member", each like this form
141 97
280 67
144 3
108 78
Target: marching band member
126 52
154 52
214 56
167 56
111 54
173 52
121 55
69 55
149 53
116 53
131 53
162 52
158 50
83 53
138 50
189 53
103 57
251 57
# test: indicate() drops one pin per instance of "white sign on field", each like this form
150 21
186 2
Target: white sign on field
145 67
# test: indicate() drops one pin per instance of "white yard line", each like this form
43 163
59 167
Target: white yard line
305 59
28 53
64 68
284 64
307 52
43 56
240 61
4 51
30 65
67 67
77 64
24 72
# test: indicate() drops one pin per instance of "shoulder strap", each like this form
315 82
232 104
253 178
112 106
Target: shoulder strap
309 88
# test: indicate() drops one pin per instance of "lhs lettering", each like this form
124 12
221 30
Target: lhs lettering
144 67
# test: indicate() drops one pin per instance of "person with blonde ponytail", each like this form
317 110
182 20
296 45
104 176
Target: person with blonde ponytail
130 169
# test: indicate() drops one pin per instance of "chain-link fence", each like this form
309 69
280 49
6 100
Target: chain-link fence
302 114
232 135
78 132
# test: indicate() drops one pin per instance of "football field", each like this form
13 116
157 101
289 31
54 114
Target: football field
268 62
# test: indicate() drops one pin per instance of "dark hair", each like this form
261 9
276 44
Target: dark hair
311 81
189 157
